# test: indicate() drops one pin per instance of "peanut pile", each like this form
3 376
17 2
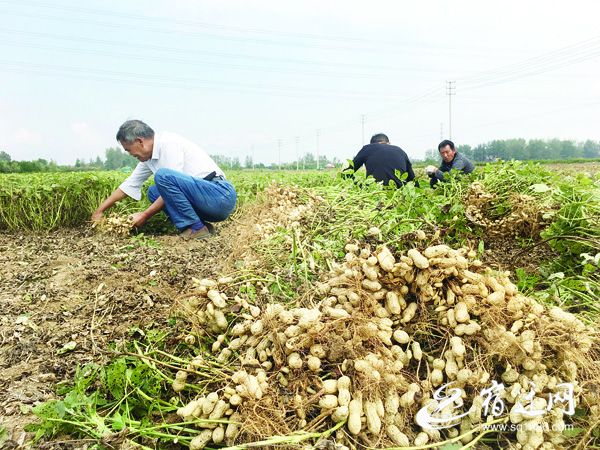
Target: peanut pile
382 333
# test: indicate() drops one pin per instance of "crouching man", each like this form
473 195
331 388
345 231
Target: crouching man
188 184
382 160
451 161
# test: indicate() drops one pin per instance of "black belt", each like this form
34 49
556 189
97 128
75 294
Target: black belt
213 176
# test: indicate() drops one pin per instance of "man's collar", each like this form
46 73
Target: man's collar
156 147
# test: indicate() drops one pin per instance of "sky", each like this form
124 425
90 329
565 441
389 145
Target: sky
272 79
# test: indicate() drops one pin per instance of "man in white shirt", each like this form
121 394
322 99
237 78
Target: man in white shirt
188 183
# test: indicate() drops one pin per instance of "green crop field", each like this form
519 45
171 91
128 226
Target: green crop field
326 313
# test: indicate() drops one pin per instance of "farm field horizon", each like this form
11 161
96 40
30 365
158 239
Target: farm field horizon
114 339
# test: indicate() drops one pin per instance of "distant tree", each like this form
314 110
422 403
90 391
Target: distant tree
431 155
4 157
481 153
40 165
220 159
248 163
516 149
464 149
569 150
115 158
554 149
537 149
235 163
308 161
498 150
322 161
591 149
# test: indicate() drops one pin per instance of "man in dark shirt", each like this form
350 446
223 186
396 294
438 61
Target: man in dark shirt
451 160
381 160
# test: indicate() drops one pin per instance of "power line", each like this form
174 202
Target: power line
199 24
566 56
187 52
178 82
188 61
536 61
532 66
472 82
532 72
434 94
192 23
195 34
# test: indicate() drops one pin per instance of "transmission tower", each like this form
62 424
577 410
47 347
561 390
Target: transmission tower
279 152
318 136
450 91
362 120
297 156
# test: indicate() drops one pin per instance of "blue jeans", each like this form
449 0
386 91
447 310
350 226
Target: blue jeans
189 200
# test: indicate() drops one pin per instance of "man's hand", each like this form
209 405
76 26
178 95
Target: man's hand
430 170
138 219
113 198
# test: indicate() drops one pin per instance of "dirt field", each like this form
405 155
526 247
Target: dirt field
590 167
64 296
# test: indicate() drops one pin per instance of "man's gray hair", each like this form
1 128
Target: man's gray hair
133 129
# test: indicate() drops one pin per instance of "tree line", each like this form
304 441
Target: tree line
306 162
117 159
521 149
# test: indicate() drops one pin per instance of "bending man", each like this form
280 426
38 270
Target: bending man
188 183
451 160
381 160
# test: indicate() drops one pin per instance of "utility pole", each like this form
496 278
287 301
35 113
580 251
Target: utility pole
318 136
450 91
441 131
252 153
304 163
297 156
362 119
279 152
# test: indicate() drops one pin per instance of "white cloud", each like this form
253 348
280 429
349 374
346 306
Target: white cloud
25 136
80 128
85 134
